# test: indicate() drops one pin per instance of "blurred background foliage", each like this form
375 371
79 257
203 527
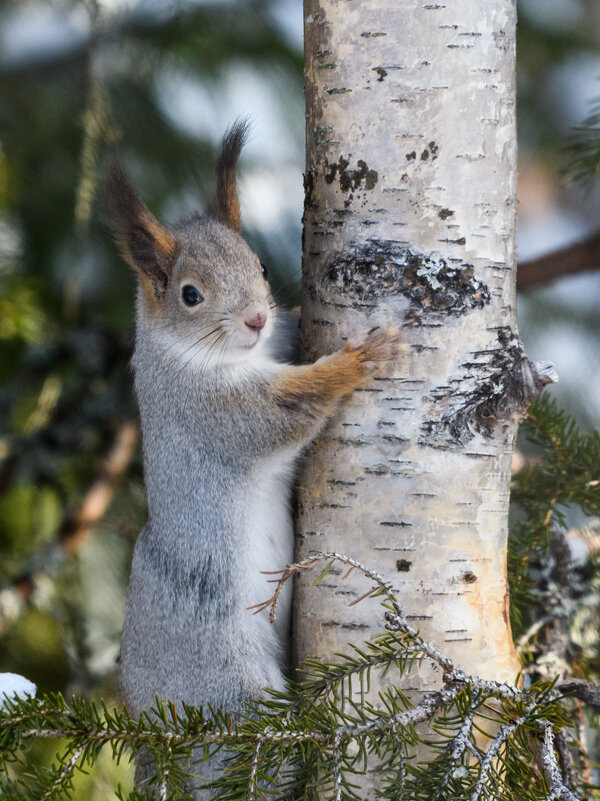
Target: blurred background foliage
161 81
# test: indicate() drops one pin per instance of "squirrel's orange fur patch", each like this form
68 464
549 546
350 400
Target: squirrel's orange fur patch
326 380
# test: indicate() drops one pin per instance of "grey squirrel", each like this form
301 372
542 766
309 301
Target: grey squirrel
223 423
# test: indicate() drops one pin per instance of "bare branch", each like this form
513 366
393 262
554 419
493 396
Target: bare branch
77 525
577 258
586 691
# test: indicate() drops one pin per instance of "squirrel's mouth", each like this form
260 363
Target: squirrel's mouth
250 345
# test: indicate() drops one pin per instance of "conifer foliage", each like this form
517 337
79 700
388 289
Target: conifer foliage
468 739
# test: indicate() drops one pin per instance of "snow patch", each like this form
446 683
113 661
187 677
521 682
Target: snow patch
13 685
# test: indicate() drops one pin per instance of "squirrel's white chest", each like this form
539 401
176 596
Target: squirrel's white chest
269 529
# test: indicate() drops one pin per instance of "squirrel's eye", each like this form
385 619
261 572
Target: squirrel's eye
191 296
263 267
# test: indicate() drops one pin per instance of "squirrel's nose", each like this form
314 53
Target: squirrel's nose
256 322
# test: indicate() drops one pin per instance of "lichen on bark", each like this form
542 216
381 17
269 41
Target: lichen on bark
430 282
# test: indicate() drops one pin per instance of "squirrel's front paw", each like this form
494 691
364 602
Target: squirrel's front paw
378 346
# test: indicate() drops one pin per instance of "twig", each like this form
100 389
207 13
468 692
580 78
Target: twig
67 770
337 773
586 691
504 732
252 787
557 787
424 710
311 561
397 622
163 787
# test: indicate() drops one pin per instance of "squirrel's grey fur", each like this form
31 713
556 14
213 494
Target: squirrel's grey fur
223 423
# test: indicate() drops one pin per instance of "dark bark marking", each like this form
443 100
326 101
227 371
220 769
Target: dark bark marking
469 577
353 443
506 387
430 282
309 188
460 241
336 624
403 565
351 180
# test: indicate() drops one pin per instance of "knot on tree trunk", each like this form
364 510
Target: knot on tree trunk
506 387
383 267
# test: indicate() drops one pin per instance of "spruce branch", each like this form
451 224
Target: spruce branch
584 151
558 788
252 783
315 731
65 773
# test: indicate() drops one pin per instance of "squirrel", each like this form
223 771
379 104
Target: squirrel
224 419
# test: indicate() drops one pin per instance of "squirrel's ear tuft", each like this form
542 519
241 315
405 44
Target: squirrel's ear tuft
228 205
144 242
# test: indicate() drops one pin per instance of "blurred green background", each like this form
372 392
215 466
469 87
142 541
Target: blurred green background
161 81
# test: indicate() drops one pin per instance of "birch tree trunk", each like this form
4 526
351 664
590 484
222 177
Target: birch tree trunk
410 220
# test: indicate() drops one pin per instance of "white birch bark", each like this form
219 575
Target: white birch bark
410 220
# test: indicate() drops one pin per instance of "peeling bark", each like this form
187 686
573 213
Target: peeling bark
410 220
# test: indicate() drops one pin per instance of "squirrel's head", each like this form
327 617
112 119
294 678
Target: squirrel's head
203 292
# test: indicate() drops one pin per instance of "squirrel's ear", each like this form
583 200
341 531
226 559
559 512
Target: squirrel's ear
145 243
228 205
